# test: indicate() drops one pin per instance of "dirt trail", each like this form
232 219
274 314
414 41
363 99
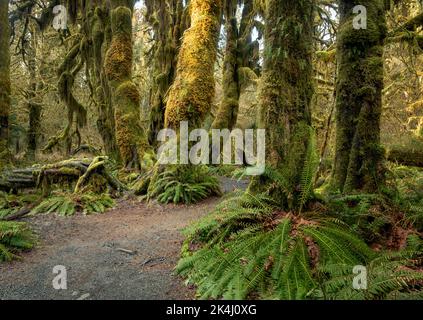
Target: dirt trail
126 253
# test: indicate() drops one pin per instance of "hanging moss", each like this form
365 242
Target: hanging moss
359 155
4 81
167 20
98 29
192 93
130 138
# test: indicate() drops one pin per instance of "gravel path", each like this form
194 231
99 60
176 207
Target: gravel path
126 253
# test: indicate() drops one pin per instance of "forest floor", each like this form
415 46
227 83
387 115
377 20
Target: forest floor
126 253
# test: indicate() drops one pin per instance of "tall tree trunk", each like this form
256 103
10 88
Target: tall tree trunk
4 79
131 139
359 155
169 22
98 29
238 58
34 100
192 92
285 96
227 114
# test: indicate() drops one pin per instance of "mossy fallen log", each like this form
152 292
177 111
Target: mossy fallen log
78 172
407 157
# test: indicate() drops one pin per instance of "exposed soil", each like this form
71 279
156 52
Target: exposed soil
126 253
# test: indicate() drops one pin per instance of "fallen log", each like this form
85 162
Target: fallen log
406 157
78 171
19 214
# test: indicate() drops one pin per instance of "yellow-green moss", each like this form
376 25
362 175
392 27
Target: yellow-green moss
192 93
130 138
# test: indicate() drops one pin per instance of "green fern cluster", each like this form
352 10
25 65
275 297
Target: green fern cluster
409 185
278 259
390 275
285 185
367 214
238 211
94 203
68 205
184 184
14 237
10 203
63 205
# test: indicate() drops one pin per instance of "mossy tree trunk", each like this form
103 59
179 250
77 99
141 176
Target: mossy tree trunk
169 20
35 86
285 95
191 95
98 29
238 56
4 80
227 114
359 155
130 138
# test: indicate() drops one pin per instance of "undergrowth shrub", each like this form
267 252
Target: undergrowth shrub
409 185
184 184
69 204
14 238
374 216
247 249
390 275
11 203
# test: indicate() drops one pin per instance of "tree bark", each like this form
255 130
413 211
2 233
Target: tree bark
239 57
34 101
98 29
227 114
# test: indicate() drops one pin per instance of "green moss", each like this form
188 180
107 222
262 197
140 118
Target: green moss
228 111
285 96
358 159
130 138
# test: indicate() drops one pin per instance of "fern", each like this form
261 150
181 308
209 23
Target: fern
275 263
239 211
309 170
14 237
183 184
391 275
68 205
